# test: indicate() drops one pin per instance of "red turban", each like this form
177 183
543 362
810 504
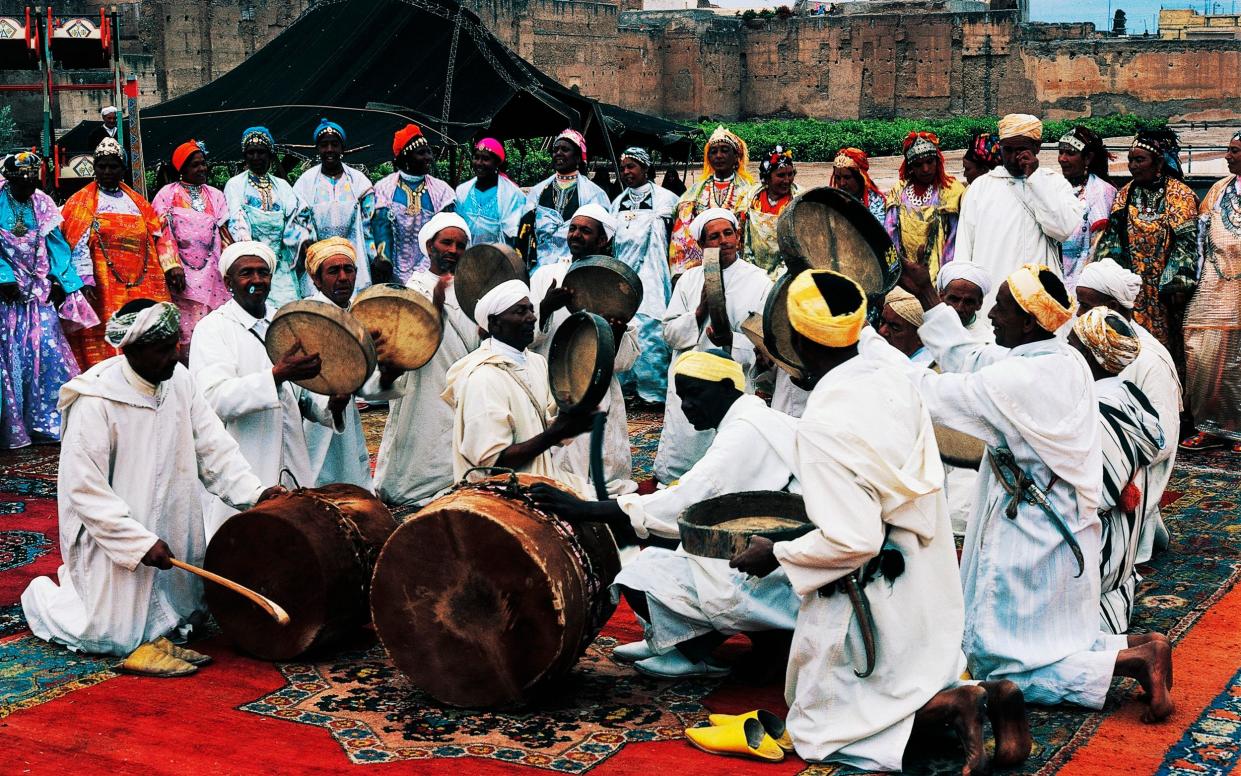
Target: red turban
857 159
408 137
184 152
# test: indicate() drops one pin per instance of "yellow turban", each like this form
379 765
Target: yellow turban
729 138
323 250
812 316
1028 292
905 305
709 367
1021 125
1101 331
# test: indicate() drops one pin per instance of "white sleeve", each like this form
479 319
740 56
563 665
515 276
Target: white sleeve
680 325
954 348
214 365
222 468
488 423
964 244
1056 208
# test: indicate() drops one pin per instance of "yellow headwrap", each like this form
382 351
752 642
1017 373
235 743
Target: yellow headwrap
905 305
723 135
323 250
1029 293
1114 351
1021 125
709 367
810 315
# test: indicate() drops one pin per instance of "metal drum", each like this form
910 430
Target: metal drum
409 322
343 344
604 286
826 228
480 598
309 550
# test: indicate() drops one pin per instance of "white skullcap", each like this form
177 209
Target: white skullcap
108 111
438 223
1108 277
499 299
963 270
712 214
246 248
600 214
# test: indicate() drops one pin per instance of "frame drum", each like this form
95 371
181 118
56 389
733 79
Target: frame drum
408 321
826 228
604 286
342 343
482 268
580 362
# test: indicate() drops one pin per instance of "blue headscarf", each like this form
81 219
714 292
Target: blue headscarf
257 136
332 127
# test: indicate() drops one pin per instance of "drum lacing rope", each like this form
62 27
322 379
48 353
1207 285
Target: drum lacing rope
597 604
364 553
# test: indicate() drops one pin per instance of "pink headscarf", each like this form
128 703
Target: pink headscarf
492 146
574 137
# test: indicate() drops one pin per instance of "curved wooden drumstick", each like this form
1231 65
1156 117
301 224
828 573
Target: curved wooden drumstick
274 609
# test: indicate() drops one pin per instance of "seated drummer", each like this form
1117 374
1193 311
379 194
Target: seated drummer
590 234
690 605
504 414
339 454
140 443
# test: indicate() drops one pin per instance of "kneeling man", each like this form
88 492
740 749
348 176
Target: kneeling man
138 437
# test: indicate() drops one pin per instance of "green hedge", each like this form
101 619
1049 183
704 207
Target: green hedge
813 140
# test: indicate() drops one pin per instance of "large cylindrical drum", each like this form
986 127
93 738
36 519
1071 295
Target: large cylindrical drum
312 552
481 598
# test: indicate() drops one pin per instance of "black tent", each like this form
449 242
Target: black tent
373 66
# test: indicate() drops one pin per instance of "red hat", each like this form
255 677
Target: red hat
408 137
184 152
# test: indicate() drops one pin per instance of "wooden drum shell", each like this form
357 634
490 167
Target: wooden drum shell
311 551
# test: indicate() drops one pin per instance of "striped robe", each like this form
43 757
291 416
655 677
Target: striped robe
1131 438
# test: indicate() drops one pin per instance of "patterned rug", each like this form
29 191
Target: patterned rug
603 717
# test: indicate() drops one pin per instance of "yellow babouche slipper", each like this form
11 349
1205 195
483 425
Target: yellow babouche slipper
772 725
150 660
740 739
163 644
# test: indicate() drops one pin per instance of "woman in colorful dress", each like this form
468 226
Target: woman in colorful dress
490 202
851 173
925 205
982 156
265 208
404 202
1213 320
36 277
195 218
119 250
1153 231
551 203
776 173
1083 161
725 182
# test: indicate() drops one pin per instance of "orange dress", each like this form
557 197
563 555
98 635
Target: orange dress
128 258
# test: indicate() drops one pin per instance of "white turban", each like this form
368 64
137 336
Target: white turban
438 223
499 299
963 270
598 213
246 248
1109 278
705 217
150 324
108 111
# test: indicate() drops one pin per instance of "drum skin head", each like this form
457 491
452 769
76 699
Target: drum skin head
959 449
604 286
702 535
482 268
777 331
826 228
346 350
409 322
581 362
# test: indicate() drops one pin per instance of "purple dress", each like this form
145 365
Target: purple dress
35 359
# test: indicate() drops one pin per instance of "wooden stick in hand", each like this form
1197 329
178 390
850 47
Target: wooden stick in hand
266 604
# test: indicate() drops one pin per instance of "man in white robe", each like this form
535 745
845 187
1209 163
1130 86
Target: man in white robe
338 449
1031 572
504 414
872 479
591 230
1018 212
256 400
138 438
963 285
551 203
690 605
686 328
1107 284
415 461
1130 438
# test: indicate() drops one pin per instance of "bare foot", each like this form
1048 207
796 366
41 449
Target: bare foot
1006 708
1138 639
963 708
1150 664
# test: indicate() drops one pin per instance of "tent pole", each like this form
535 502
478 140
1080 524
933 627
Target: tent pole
597 114
452 163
